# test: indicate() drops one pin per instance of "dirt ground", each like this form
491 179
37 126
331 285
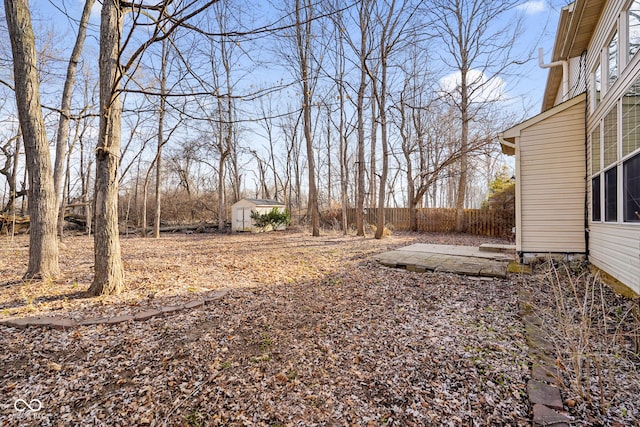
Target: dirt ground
311 332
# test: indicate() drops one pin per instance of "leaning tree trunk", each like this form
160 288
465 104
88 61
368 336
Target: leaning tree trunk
109 272
43 243
65 109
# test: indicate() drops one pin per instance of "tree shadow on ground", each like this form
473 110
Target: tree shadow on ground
23 302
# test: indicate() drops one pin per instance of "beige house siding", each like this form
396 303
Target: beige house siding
551 181
550 148
615 249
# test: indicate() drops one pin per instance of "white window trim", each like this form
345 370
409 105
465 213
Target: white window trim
594 102
619 165
624 27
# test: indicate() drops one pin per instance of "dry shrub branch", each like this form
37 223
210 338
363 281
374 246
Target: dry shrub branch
595 333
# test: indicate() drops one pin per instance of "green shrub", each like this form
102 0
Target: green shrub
274 218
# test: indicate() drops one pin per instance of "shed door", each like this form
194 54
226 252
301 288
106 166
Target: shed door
243 219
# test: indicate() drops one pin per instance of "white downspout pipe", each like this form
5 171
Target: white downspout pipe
565 72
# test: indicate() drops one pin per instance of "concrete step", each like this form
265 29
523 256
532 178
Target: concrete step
497 248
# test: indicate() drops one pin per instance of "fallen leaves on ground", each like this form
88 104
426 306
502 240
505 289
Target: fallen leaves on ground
312 332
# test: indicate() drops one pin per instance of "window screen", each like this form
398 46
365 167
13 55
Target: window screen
595 150
611 137
611 195
634 27
612 53
596 211
631 187
597 75
631 119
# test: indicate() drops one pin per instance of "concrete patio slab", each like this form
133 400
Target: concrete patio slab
468 251
465 260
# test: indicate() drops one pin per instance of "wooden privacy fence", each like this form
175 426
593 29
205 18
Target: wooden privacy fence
485 222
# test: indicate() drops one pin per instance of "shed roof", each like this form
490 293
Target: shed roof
264 202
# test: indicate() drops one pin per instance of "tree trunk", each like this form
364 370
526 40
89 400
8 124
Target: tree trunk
461 194
344 197
464 144
65 108
43 244
303 41
382 99
221 209
109 271
145 193
84 180
158 183
10 170
373 148
329 195
363 13
161 141
380 95
227 137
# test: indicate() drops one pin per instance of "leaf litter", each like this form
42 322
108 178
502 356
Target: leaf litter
312 332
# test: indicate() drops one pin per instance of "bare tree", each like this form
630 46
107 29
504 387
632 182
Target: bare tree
289 127
11 151
226 108
164 58
343 146
304 36
267 123
65 110
478 48
109 271
393 21
43 244
362 50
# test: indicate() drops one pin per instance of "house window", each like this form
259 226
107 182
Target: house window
633 27
595 150
612 58
596 214
610 137
631 119
611 195
597 75
631 188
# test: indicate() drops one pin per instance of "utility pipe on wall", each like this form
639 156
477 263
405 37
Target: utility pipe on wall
565 72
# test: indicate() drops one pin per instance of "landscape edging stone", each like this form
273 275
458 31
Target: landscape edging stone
63 323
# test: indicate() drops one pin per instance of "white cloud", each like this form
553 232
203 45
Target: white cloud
483 89
95 9
532 6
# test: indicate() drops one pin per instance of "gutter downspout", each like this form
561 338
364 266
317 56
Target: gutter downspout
565 72
587 181
512 145
587 177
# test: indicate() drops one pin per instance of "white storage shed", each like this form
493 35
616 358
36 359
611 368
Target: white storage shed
241 213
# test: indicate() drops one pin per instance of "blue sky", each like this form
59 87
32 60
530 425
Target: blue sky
523 94
541 21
